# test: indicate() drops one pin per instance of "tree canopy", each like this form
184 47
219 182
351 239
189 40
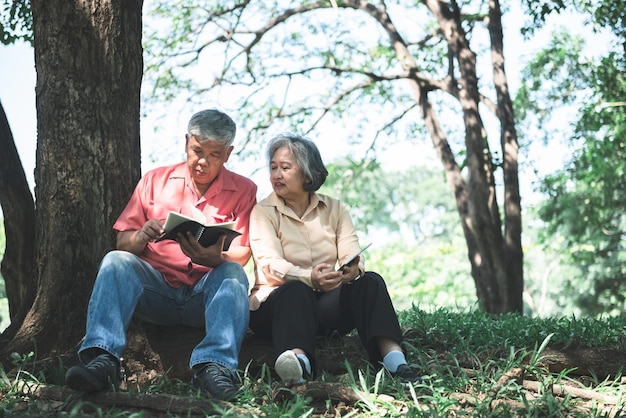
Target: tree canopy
16 21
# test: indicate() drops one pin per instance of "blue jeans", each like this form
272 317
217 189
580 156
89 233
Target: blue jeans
127 285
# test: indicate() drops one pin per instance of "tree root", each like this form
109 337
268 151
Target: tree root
149 404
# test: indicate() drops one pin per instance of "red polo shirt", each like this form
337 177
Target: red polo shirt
230 197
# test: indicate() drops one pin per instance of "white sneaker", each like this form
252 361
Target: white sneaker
289 367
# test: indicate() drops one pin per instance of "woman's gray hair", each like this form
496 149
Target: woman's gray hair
307 157
212 125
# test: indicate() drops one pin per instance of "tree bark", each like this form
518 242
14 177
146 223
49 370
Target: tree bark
88 59
513 253
19 226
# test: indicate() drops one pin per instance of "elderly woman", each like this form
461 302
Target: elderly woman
297 238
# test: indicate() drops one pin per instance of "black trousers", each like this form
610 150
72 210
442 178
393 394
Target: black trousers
294 315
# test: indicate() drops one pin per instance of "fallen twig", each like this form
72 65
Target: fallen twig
561 390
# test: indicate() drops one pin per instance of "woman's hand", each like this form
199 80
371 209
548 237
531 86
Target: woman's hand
325 281
350 272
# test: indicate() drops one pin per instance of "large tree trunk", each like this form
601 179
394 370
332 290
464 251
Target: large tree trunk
19 226
88 59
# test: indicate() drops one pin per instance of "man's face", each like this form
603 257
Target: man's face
205 160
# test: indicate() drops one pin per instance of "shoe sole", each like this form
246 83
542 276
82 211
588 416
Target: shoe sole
288 367
407 384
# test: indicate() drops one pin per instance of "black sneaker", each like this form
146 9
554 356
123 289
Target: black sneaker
406 375
99 374
216 381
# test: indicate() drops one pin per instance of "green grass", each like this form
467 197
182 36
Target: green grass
468 358
470 331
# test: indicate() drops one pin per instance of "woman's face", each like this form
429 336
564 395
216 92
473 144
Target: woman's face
285 175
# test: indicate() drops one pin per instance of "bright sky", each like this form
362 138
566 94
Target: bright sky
17 94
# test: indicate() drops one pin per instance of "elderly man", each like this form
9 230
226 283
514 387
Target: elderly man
176 282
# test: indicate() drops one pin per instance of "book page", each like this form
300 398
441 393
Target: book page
174 219
198 215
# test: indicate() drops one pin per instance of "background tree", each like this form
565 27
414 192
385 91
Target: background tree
88 59
15 197
19 215
585 209
375 69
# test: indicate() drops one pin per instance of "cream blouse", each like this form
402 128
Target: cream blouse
286 247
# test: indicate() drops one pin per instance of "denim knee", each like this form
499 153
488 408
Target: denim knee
232 270
120 260
229 273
